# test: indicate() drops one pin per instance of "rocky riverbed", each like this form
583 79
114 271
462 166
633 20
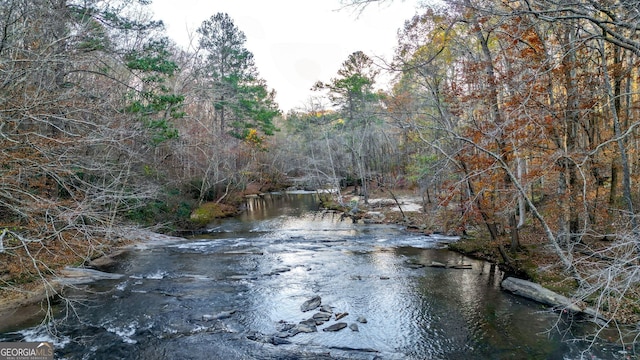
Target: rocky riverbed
294 283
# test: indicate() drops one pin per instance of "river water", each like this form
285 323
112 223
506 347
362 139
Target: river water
224 295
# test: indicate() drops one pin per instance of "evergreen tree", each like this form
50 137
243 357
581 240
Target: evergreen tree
353 89
242 102
353 92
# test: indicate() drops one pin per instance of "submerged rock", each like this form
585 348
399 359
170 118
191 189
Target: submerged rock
414 265
336 327
106 262
276 340
278 271
266 339
256 336
282 326
304 327
224 314
311 304
284 334
242 277
219 316
207 317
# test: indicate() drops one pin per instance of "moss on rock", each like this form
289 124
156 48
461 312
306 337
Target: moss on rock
209 211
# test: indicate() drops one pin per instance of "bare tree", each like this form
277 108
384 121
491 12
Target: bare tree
81 112
545 85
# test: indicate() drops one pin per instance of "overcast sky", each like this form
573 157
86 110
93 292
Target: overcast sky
295 42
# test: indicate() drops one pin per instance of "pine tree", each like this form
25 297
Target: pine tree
241 100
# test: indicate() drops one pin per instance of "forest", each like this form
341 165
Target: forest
516 121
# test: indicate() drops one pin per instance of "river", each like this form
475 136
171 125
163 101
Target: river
225 294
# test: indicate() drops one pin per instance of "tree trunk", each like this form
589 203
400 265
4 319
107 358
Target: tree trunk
568 177
492 227
626 173
613 187
515 237
522 208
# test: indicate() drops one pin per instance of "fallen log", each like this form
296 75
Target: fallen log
462 266
436 264
536 292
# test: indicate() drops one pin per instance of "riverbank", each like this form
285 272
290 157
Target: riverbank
29 302
535 259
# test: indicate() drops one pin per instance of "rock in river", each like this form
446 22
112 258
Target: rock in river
321 317
279 341
341 315
267 339
75 276
336 327
283 326
304 327
311 304
224 314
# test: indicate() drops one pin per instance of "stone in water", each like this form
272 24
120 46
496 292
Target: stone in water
311 304
336 327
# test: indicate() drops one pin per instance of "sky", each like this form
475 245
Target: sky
295 43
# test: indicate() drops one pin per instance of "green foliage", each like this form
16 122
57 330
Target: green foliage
224 42
183 210
155 106
162 131
153 58
240 98
353 89
112 17
255 109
